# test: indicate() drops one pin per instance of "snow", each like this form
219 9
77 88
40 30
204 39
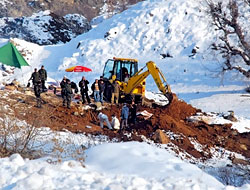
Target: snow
130 165
145 31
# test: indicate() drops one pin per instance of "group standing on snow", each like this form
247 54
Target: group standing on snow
38 79
128 113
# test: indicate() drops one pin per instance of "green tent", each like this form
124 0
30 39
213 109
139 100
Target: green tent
9 55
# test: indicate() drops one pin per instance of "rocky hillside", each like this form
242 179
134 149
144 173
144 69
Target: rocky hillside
44 27
47 22
87 8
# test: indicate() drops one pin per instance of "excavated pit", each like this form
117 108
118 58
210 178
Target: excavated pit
171 119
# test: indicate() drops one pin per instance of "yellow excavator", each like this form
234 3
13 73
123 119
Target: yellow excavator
133 82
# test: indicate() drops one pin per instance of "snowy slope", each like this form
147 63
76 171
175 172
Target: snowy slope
128 166
149 30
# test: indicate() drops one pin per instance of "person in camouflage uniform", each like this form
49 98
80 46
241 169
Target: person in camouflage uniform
35 77
67 94
38 90
43 76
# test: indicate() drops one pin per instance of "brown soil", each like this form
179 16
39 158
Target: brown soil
171 119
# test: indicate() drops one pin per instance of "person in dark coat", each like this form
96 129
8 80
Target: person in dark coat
101 88
124 116
132 111
83 84
74 86
35 77
38 91
63 85
43 76
68 94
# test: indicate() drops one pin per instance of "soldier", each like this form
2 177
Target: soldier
63 85
35 77
68 94
43 76
83 84
38 90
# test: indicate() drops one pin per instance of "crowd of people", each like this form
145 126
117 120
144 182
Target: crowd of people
128 114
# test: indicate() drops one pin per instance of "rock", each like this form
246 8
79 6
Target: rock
160 137
10 87
230 116
76 113
98 105
240 161
243 146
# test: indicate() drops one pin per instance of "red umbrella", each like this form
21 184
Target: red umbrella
78 69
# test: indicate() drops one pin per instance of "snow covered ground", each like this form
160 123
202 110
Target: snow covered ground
113 166
144 32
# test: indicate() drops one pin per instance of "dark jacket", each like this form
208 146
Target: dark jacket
35 77
68 89
101 86
43 74
132 111
74 86
83 84
125 112
63 85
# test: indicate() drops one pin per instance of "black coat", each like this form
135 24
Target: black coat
132 110
101 87
83 84
43 74
74 86
68 89
35 77
63 85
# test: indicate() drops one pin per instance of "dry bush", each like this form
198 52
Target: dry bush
18 137
237 175
233 43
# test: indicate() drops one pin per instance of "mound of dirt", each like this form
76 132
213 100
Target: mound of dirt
172 120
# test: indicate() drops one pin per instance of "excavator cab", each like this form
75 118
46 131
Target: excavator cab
120 67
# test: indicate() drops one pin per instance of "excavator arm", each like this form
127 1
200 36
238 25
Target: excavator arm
158 77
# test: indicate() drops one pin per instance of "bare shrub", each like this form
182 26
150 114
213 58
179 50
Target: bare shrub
237 175
231 21
18 137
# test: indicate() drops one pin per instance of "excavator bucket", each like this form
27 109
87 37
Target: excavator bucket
170 96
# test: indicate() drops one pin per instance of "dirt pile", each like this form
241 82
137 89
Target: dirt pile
195 138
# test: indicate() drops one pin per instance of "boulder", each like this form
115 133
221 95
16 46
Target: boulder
160 137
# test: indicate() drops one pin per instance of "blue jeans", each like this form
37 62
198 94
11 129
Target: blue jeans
105 119
96 96
101 97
